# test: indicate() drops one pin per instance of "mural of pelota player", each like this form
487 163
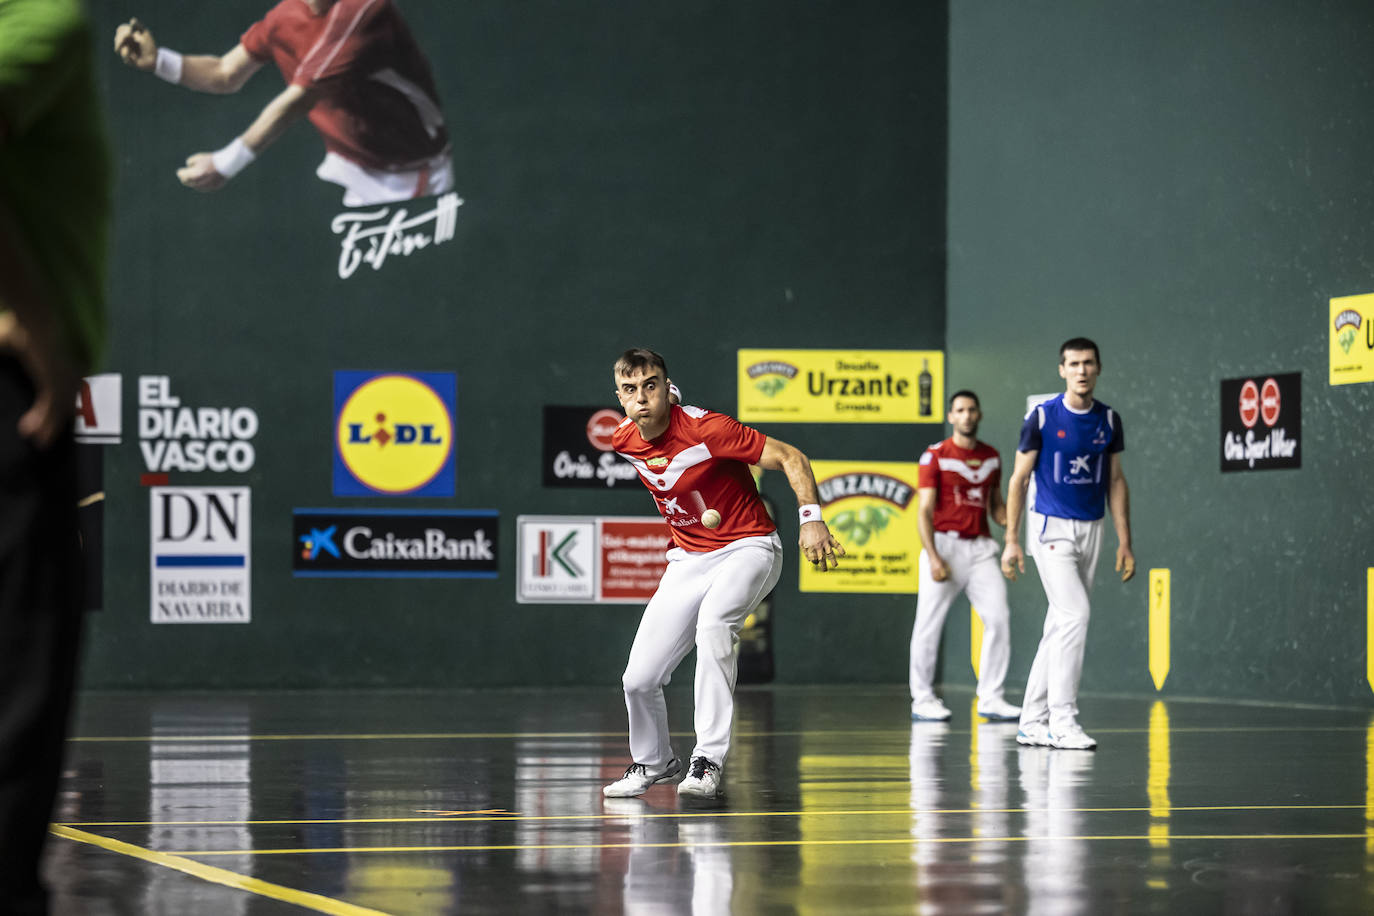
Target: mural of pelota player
352 67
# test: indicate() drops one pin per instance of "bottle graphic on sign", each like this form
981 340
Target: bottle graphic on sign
923 382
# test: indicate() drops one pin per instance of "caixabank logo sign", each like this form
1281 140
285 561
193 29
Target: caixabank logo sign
395 543
393 433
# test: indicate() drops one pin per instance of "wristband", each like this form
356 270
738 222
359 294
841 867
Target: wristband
168 66
233 159
811 512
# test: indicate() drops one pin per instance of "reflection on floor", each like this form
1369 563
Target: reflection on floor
490 802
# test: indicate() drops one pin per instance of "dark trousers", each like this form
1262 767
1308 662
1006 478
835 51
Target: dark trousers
40 624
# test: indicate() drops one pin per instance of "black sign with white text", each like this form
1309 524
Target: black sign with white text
1261 422
577 448
381 543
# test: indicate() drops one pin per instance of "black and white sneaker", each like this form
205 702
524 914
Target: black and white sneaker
639 777
702 779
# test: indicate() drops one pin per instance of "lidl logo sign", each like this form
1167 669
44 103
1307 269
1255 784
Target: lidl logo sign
393 433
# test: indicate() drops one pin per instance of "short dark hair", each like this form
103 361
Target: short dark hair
638 358
1079 343
965 393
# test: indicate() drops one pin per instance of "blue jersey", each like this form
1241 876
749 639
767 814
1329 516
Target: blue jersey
1072 472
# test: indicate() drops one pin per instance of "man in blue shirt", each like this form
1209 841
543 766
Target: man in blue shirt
1072 444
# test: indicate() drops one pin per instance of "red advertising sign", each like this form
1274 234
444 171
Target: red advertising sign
1249 403
632 557
1269 402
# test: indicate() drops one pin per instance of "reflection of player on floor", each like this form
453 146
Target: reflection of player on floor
959 483
1073 445
693 460
352 67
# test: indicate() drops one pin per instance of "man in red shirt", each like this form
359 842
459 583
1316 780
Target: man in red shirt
959 482
726 557
352 67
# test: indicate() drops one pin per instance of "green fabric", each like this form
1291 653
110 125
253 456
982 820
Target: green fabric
54 164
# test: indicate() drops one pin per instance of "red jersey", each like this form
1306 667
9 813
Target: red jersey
378 105
964 480
700 462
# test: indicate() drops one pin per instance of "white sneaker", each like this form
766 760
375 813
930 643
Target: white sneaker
1033 734
931 710
638 778
1072 738
702 779
998 710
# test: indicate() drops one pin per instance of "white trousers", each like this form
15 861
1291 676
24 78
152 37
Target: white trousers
702 600
974 568
1065 551
365 186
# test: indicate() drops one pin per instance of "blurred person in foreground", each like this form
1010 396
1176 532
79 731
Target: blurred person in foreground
54 210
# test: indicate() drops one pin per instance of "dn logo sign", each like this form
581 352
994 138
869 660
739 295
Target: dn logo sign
200 516
200 554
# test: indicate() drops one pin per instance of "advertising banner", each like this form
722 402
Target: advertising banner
583 559
201 569
393 433
577 448
1261 422
556 558
841 386
1351 328
99 409
871 507
178 436
395 543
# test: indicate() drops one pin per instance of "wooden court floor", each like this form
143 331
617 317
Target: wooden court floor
490 802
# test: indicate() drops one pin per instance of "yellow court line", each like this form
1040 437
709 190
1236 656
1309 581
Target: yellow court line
469 736
220 876
686 815
726 844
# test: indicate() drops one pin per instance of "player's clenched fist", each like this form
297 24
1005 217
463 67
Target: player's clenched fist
1125 563
199 173
1013 561
135 45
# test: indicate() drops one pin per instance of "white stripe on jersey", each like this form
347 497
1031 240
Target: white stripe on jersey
668 477
983 472
339 43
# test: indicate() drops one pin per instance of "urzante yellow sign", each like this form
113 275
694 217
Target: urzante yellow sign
842 386
1352 339
871 507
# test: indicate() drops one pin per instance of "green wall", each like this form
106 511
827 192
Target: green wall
692 176
1188 184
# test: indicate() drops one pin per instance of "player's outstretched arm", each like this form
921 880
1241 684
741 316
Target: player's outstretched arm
227 73
818 545
1119 499
1013 557
212 171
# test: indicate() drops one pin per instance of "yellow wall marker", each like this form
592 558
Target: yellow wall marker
1159 626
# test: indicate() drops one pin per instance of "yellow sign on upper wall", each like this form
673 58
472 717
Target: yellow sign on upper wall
1351 329
842 386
